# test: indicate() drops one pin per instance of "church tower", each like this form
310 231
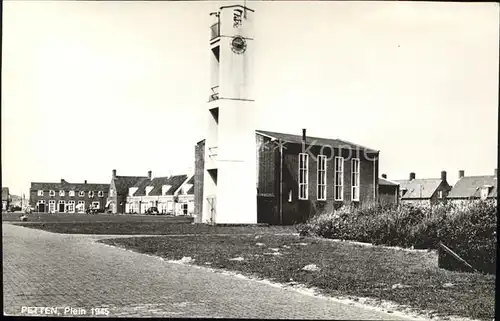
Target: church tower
230 182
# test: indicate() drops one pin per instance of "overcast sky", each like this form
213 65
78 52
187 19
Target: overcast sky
92 86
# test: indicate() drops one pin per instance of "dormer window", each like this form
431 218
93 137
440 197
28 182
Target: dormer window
149 189
71 193
61 193
186 188
91 193
81 194
100 194
40 193
485 191
52 193
165 189
132 190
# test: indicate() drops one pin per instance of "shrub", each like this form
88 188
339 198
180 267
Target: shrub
469 229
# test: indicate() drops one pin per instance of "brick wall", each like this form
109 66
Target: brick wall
267 166
388 194
199 168
299 210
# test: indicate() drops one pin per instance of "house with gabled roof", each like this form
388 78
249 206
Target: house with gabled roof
5 198
66 197
388 191
170 195
425 191
480 187
297 176
119 190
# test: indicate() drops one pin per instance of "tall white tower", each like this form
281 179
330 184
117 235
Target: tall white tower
230 182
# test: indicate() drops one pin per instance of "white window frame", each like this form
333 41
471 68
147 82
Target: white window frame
40 193
72 193
59 205
355 179
321 183
440 194
52 206
100 194
303 179
71 206
82 210
94 204
338 170
61 193
52 193
91 193
81 193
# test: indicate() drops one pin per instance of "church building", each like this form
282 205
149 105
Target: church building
247 176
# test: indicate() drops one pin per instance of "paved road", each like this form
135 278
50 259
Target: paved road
44 269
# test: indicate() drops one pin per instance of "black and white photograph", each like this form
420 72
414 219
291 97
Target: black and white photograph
250 159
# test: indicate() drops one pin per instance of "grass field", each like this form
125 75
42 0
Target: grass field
409 278
87 218
152 227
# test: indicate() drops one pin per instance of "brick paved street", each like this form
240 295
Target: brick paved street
44 269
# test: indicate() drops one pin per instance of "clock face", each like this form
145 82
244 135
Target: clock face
238 45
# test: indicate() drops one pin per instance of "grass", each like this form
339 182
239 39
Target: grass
345 269
158 227
79 217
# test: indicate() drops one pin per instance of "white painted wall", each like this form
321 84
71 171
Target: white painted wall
234 135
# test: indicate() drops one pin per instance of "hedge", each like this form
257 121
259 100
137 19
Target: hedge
469 229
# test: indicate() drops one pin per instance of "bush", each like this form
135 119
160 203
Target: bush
468 229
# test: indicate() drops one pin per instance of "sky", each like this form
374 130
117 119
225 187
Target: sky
88 87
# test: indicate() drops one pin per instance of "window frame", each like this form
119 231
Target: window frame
91 194
81 194
355 179
100 194
303 186
52 193
338 163
62 193
40 193
321 183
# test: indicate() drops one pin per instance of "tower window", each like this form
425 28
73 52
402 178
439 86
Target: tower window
303 176
339 178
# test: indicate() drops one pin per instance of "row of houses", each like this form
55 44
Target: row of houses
434 190
124 194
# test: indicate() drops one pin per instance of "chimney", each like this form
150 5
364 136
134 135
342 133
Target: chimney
150 174
85 182
443 175
62 180
304 135
113 173
461 173
412 176
384 176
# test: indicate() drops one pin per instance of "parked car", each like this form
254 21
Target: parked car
152 210
14 208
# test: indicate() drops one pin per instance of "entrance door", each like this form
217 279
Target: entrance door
211 207
61 207
41 207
